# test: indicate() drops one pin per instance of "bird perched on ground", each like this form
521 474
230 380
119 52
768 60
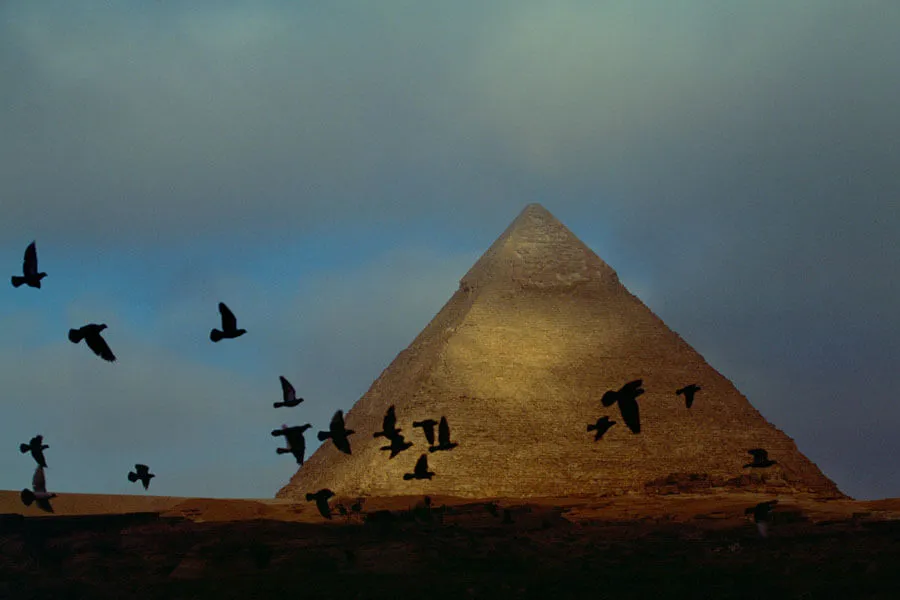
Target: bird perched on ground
296 443
338 433
762 515
143 475
420 471
321 499
398 445
90 333
626 398
229 326
444 442
39 493
428 427
761 459
601 427
288 393
36 446
388 425
688 392
30 275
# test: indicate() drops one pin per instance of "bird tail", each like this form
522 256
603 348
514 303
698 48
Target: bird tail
323 435
282 450
27 497
75 336
408 476
279 404
215 335
310 497
592 427
17 281
132 476
418 423
24 448
379 434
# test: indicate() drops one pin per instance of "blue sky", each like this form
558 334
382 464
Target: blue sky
331 171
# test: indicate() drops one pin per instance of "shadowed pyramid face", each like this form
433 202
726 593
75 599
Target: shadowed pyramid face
517 361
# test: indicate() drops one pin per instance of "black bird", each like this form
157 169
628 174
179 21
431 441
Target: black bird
288 393
428 427
338 433
601 427
296 443
90 333
444 442
143 475
626 397
229 326
760 459
388 425
421 470
36 446
688 392
398 445
762 513
30 275
321 498
40 493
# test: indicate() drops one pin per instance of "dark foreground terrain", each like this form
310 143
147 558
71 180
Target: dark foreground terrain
460 551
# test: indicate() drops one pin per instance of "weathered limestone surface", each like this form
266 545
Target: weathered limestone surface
518 359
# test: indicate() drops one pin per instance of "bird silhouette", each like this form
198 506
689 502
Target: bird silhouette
36 446
444 442
761 459
626 398
229 326
338 433
421 470
288 393
428 427
143 475
601 427
90 333
296 442
39 493
30 275
762 515
321 499
388 425
688 392
398 444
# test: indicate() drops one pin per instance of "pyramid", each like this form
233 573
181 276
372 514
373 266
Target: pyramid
518 359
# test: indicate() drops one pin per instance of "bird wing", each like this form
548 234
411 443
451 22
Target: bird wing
609 398
38 482
444 432
96 343
337 421
229 322
630 413
287 390
141 469
421 465
29 265
758 454
390 420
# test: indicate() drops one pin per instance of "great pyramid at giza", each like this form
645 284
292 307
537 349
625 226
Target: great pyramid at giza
518 359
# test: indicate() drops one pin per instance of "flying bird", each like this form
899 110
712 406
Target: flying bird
761 459
143 475
36 446
428 427
688 392
30 275
398 445
444 442
90 333
229 326
39 493
762 515
296 443
421 470
338 433
388 425
601 427
288 393
626 397
321 499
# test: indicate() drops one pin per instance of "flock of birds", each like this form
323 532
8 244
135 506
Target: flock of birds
625 397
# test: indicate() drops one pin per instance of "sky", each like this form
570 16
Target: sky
331 170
